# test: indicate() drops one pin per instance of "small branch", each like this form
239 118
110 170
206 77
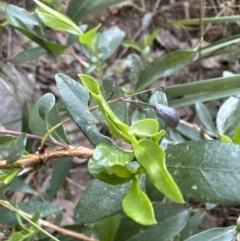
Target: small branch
39 159
35 137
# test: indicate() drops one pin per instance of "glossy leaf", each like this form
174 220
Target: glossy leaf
116 127
137 205
75 98
216 234
201 168
19 13
237 134
56 20
78 9
100 200
206 119
152 158
59 174
45 209
29 54
171 218
17 149
107 227
144 128
109 41
105 157
164 66
228 116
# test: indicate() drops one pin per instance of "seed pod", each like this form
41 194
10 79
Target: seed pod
169 115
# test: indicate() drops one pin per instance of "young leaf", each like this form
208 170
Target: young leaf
206 119
117 128
56 20
237 134
137 205
216 234
17 149
144 128
46 103
75 98
100 200
152 157
206 171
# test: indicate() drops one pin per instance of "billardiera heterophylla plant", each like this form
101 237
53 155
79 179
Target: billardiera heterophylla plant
122 166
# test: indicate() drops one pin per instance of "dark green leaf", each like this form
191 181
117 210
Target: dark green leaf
39 126
29 54
153 194
59 174
228 116
17 149
206 119
46 103
100 200
107 227
75 98
164 66
78 9
171 219
45 209
188 131
18 185
109 41
201 168
19 13
216 234
193 223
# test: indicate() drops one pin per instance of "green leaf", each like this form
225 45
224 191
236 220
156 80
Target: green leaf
237 134
105 158
78 9
59 174
116 127
87 38
193 223
45 209
137 205
228 116
144 128
17 149
225 138
75 98
109 41
46 103
56 20
164 66
152 158
40 127
201 168
129 43
105 233
206 119
19 13
18 185
152 192
216 234
100 200
171 218
29 54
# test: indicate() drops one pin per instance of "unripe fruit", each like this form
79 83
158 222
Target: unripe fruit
169 115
